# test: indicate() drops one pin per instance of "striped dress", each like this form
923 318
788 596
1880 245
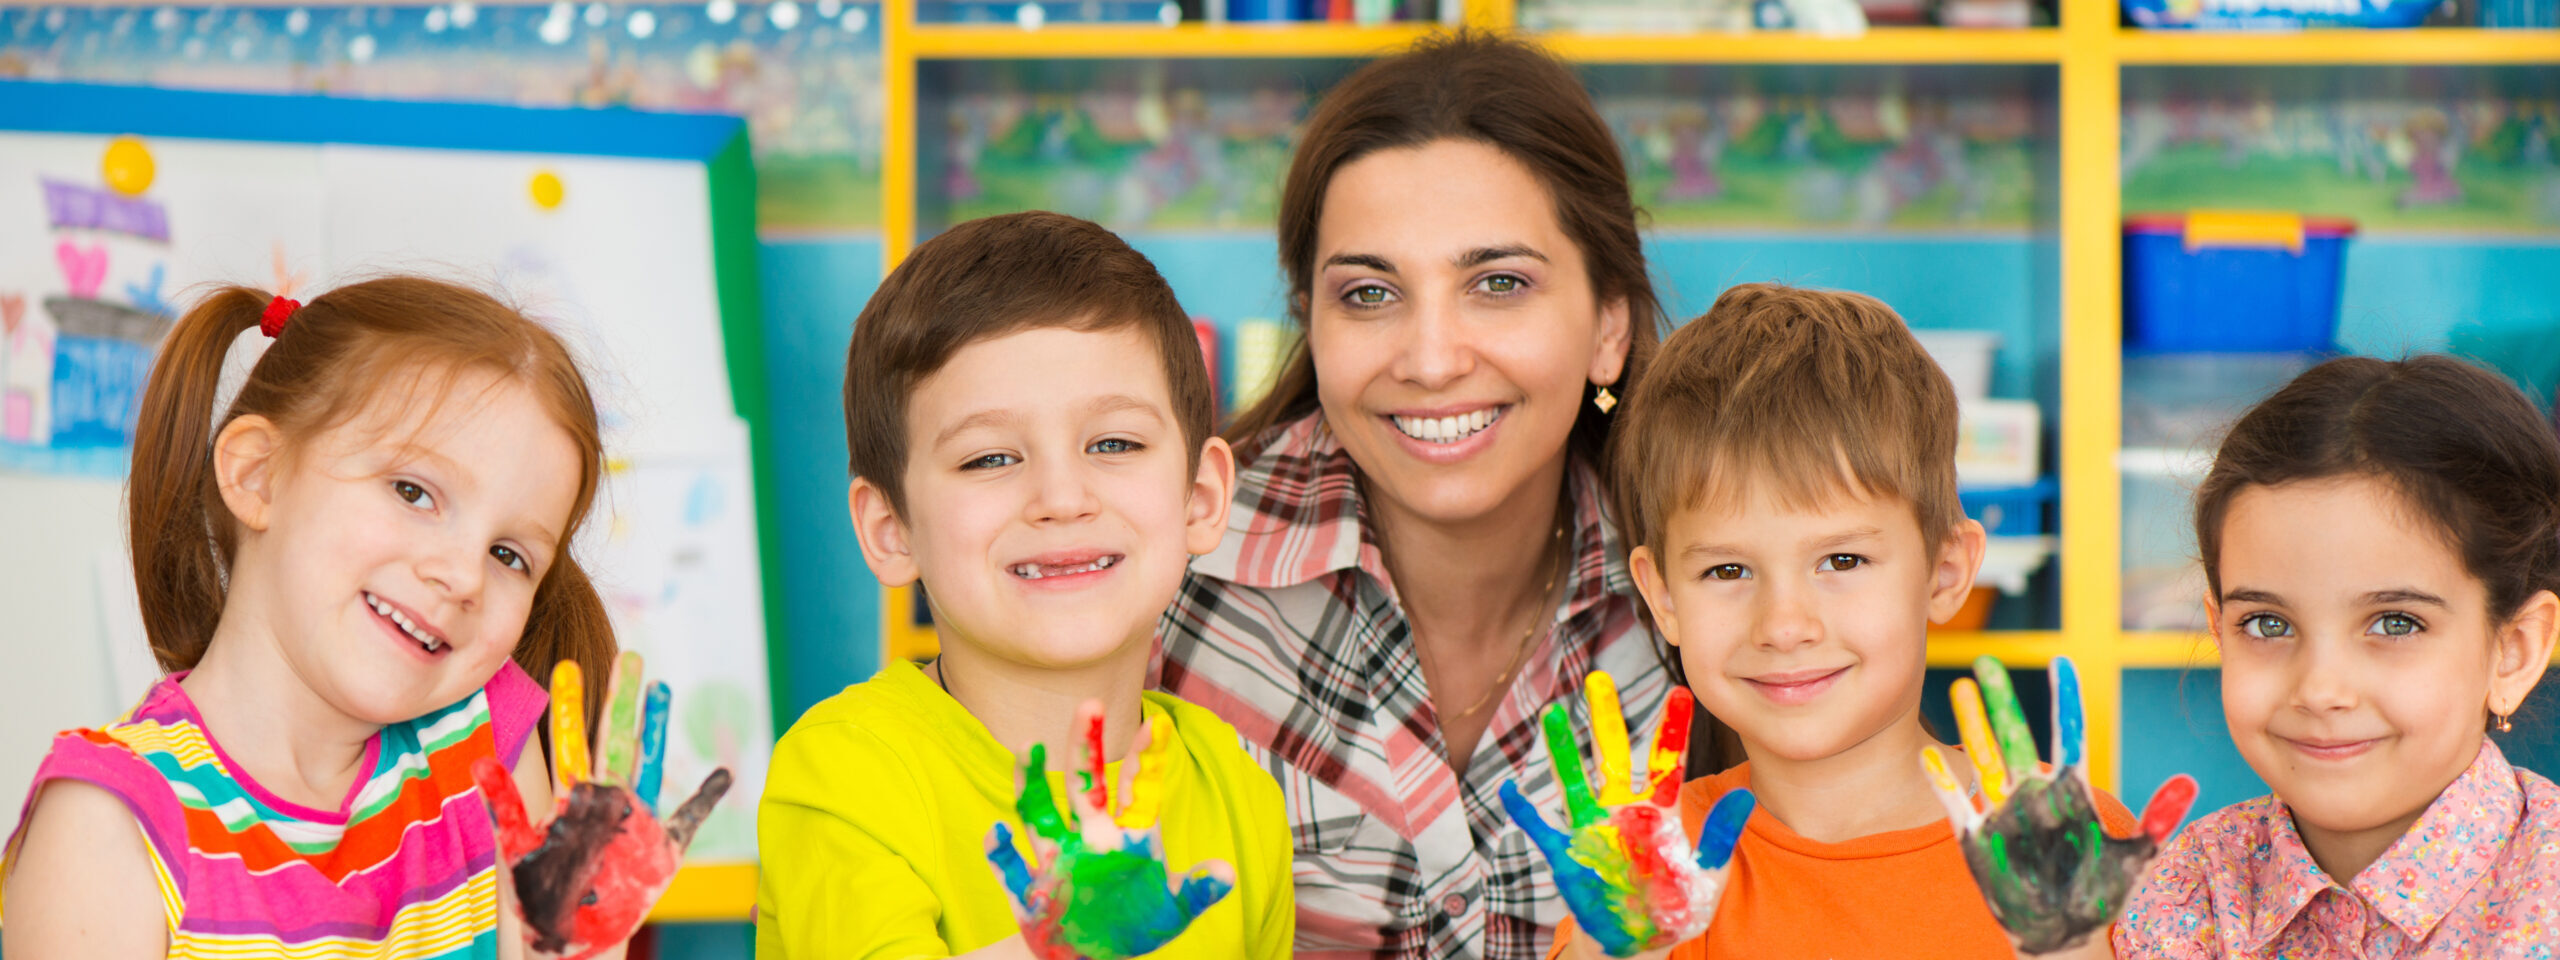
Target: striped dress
406 867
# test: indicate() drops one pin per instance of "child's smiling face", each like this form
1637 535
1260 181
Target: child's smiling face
2360 660
1805 627
1050 503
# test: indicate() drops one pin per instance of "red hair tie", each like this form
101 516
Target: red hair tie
279 310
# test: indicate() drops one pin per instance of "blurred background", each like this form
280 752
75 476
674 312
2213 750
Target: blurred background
2117 225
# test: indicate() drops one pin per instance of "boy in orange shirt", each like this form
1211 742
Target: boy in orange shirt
1786 475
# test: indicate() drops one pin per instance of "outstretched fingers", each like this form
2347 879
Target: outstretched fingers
1723 829
1011 870
568 727
1609 739
2008 720
1580 811
1975 729
688 818
618 744
2070 730
517 836
1951 795
2168 807
1666 770
653 744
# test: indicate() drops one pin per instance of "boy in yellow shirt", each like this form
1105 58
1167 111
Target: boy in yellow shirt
1029 422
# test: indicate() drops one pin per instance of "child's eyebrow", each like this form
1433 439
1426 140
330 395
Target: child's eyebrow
1846 537
981 419
2404 595
1121 402
2246 595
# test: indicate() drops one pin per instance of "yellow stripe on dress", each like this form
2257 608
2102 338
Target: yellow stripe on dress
431 929
182 741
173 906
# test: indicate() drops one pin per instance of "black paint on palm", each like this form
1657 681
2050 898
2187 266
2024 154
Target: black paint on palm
2050 872
556 876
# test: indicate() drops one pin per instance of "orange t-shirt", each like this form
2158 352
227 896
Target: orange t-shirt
1904 893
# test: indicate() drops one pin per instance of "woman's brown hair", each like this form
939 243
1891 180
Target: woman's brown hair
1487 89
332 362
2461 444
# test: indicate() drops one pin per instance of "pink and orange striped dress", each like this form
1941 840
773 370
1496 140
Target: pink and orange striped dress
405 867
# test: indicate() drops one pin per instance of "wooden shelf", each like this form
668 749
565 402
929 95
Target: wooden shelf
1883 45
1143 41
710 892
2341 47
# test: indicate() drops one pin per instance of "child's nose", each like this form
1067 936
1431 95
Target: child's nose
455 574
1062 489
2326 679
1787 620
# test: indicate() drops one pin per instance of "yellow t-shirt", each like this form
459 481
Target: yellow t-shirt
872 833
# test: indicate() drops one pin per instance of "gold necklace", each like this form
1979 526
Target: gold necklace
1502 683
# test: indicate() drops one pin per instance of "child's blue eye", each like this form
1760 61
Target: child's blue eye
1369 295
2266 626
1728 571
512 560
1842 561
991 461
2394 625
1115 445
413 494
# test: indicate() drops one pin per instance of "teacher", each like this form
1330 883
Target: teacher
1418 562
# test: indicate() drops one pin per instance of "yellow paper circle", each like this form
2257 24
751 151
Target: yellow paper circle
547 191
127 166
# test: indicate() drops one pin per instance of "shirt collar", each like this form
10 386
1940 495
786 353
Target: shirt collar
2419 878
1299 515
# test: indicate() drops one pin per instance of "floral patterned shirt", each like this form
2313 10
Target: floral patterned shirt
2476 877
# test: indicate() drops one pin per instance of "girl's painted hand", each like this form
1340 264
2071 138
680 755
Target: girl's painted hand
1097 892
2052 874
1623 863
587 876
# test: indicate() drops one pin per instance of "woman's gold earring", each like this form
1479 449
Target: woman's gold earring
2506 725
1604 400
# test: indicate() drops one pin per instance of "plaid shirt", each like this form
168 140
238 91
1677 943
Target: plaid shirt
1292 632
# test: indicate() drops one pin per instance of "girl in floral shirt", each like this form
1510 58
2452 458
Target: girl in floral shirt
2381 542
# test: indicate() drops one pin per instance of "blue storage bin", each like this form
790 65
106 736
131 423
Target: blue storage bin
2232 282
2012 511
2276 14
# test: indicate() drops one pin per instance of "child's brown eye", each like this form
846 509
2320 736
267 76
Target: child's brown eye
1842 561
1728 571
412 494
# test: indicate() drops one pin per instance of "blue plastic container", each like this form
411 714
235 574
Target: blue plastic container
2276 14
2012 511
2232 282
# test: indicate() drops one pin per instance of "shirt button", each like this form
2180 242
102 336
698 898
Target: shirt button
1455 905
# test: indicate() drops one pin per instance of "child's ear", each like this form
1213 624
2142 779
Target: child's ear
1213 490
2524 651
1959 558
1609 356
1656 591
244 468
883 535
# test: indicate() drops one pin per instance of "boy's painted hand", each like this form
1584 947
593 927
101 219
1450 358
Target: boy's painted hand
587 876
2048 867
1623 863
1097 892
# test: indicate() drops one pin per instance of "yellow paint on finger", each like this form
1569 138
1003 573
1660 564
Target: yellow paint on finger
1609 739
568 726
1978 744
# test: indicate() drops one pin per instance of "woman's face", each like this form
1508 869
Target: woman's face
1453 327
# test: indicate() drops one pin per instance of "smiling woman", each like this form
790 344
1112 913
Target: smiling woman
1419 560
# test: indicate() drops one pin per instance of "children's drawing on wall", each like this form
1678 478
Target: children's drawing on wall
678 558
75 350
2448 161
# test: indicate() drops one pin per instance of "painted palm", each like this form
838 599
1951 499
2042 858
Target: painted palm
587 875
1096 891
2051 872
1622 861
